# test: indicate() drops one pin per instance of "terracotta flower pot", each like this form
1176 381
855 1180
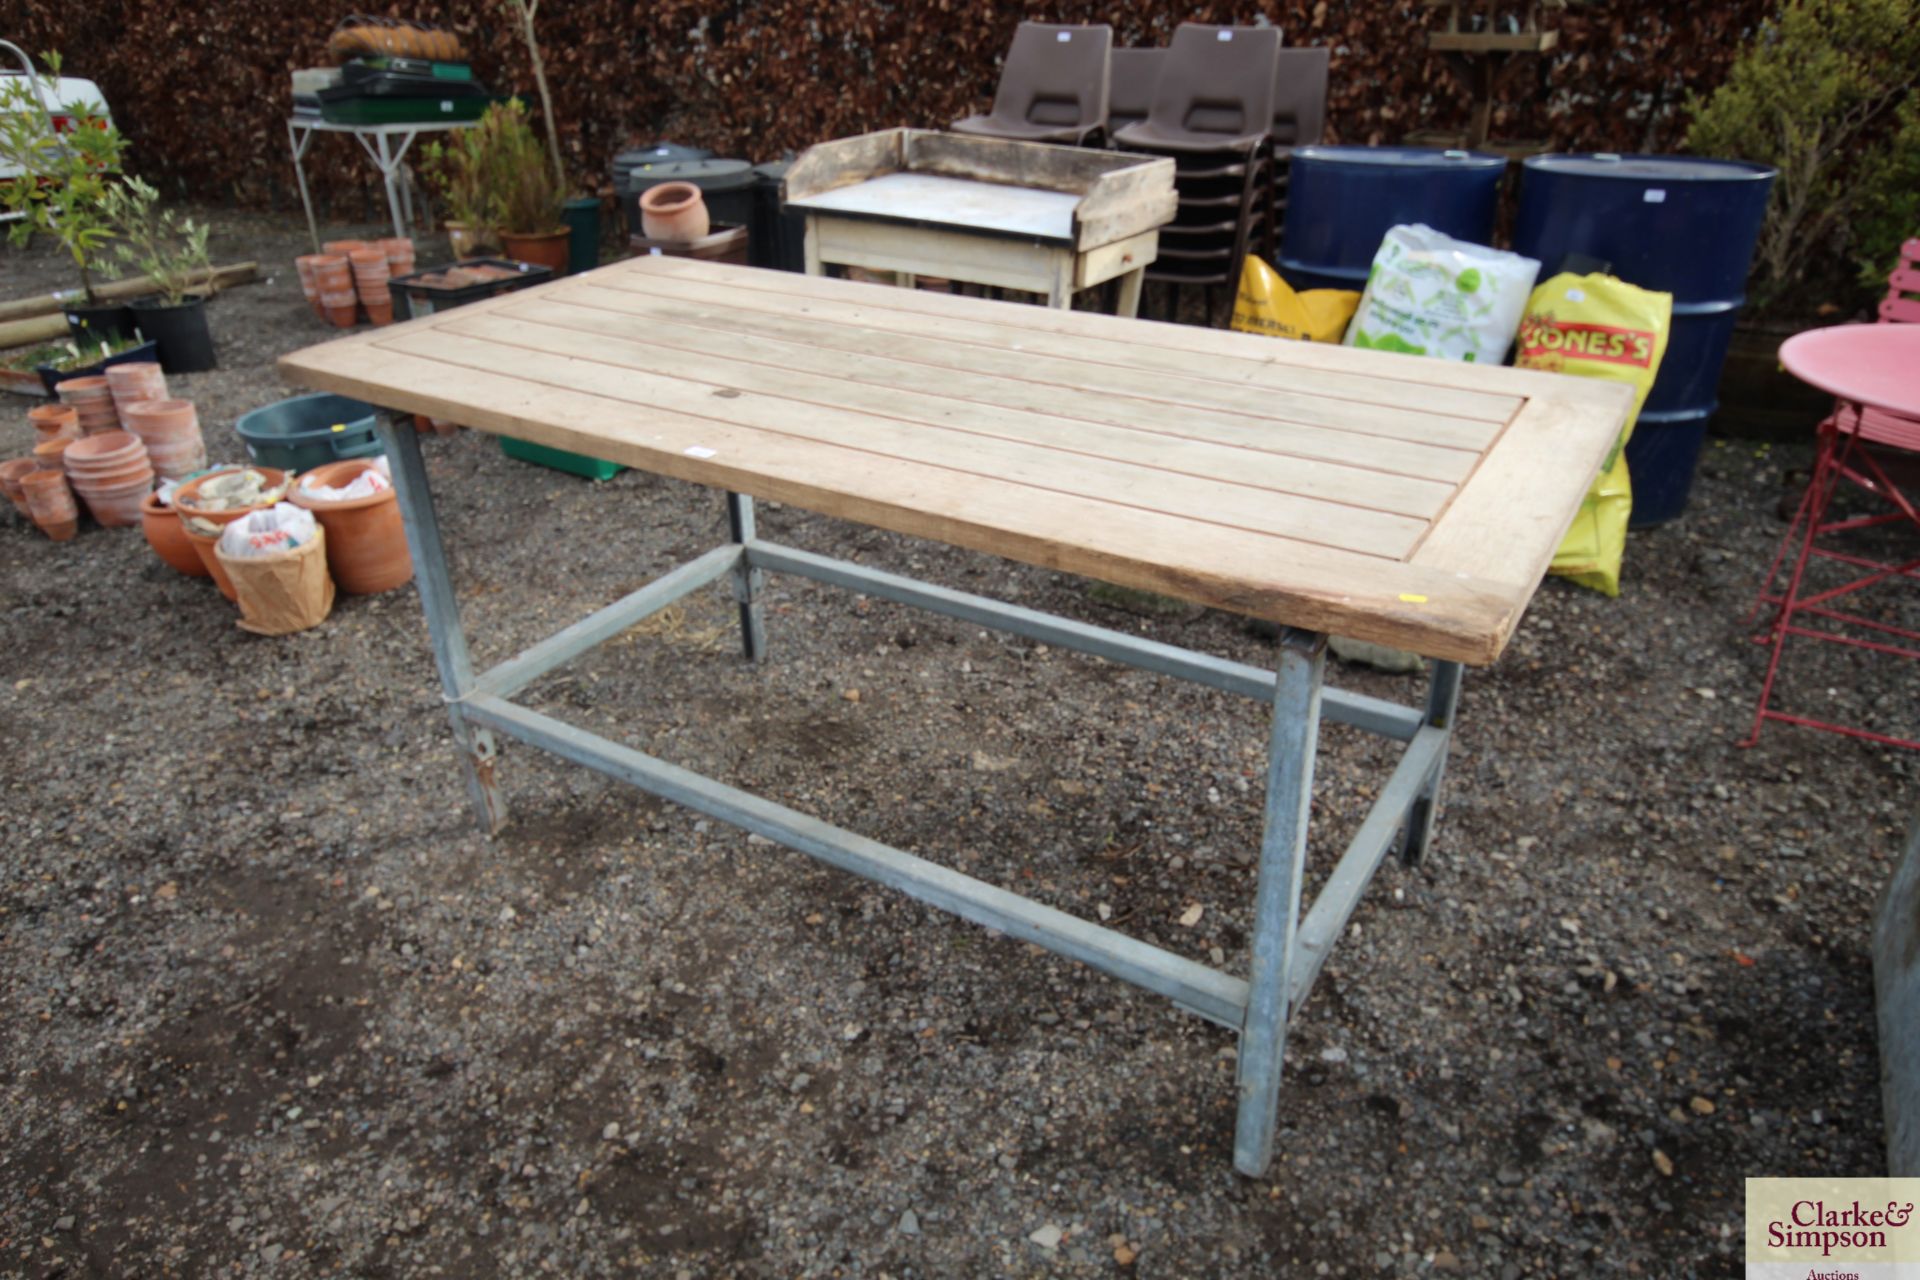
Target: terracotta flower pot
674 211
54 421
169 541
379 313
50 455
10 475
50 501
109 446
342 316
185 502
119 506
366 538
342 247
546 248
162 419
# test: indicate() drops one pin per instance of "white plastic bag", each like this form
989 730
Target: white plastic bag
1429 294
268 531
369 482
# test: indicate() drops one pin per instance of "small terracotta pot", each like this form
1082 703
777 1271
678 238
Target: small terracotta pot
168 539
52 421
342 317
50 501
366 538
50 455
379 313
162 419
548 248
118 507
10 474
674 211
138 380
78 390
109 446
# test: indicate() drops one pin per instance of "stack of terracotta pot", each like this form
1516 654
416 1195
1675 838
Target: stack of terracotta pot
370 278
133 382
170 430
50 503
111 472
91 400
399 251
333 277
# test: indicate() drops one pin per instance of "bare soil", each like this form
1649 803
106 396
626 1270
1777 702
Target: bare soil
271 1005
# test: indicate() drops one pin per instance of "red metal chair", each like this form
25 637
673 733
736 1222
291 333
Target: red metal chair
1852 447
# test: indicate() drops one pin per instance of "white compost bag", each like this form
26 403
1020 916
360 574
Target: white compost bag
1429 294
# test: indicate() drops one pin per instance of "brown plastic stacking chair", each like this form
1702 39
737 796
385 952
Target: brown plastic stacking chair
1300 96
1053 87
1299 120
1133 75
1214 92
1212 112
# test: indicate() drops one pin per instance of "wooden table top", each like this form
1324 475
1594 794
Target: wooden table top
964 204
1409 501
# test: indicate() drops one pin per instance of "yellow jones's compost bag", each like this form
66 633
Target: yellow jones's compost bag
1598 327
1267 304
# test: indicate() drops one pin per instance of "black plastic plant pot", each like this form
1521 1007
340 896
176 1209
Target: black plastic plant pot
186 343
99 322
51 378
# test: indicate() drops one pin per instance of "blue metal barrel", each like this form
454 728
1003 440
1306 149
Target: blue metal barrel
1341 200
1677 224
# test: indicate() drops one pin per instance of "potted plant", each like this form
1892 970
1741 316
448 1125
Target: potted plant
171 251
459 166
581 213
62 188
530 200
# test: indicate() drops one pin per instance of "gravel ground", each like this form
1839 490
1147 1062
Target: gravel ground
274 1007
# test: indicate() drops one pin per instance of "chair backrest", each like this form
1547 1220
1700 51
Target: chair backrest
1217 80
1902 303
1133 76
1055 75
1300 96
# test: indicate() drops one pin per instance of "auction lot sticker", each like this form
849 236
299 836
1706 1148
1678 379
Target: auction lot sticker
1833 1229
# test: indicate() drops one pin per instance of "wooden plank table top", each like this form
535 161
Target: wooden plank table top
1408 501
936 200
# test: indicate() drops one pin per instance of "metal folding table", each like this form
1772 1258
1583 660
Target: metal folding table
1407 501
385 144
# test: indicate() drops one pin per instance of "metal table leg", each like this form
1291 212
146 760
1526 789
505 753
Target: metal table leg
1276 906
1443 701
477 751
747 580
299 139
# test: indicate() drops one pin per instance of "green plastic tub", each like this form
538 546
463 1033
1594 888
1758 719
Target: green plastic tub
578 464
309 431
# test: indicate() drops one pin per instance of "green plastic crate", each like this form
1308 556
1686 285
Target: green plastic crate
578 464
405 110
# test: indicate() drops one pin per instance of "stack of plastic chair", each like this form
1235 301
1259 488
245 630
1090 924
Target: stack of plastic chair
1299 120
1212 112
1867 449
1132 75
1053 87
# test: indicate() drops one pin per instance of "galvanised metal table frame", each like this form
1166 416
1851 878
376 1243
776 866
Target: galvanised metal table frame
1288 950
375 140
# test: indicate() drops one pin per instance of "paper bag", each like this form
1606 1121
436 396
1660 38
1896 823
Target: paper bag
283 593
